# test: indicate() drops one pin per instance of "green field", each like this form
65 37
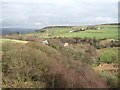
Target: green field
11 40
107 32
109 55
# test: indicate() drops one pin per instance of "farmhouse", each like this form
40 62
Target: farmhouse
83 29
94 28
45 42
99 28
66 44
80 29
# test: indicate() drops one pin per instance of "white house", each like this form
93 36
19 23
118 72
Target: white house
45 42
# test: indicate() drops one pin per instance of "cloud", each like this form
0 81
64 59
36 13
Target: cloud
1 19
59 2
37 23
39 13
56 1
105 19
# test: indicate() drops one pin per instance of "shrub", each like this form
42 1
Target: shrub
37 65
23 65
82 77
6 46
112 80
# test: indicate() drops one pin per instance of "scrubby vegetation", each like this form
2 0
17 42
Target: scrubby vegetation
36 65
28 63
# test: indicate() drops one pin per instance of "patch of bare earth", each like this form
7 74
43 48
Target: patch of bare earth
113 68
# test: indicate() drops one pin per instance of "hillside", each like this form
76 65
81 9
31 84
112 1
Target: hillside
106 31
86 58
34 65
8 31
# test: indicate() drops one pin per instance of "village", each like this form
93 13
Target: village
74 30
86 28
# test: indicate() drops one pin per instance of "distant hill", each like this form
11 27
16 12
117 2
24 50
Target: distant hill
6 31
112 24
74 26
98 31
58 27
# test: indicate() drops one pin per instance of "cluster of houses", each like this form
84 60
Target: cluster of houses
87 28
75 30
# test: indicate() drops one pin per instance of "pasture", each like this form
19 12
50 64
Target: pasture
109 55
108 31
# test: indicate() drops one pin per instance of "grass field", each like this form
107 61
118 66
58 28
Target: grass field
109 55
107 32
11 40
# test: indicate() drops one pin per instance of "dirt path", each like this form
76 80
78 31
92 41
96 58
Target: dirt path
113 68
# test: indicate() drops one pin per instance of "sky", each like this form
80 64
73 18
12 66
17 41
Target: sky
41 13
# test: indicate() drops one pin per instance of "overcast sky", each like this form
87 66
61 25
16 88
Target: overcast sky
40 13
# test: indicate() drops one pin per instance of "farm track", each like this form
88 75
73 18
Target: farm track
113 68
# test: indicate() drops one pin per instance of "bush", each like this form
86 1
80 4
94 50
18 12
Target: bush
37 65
23 65
82 77
6 46
83 53
112 80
